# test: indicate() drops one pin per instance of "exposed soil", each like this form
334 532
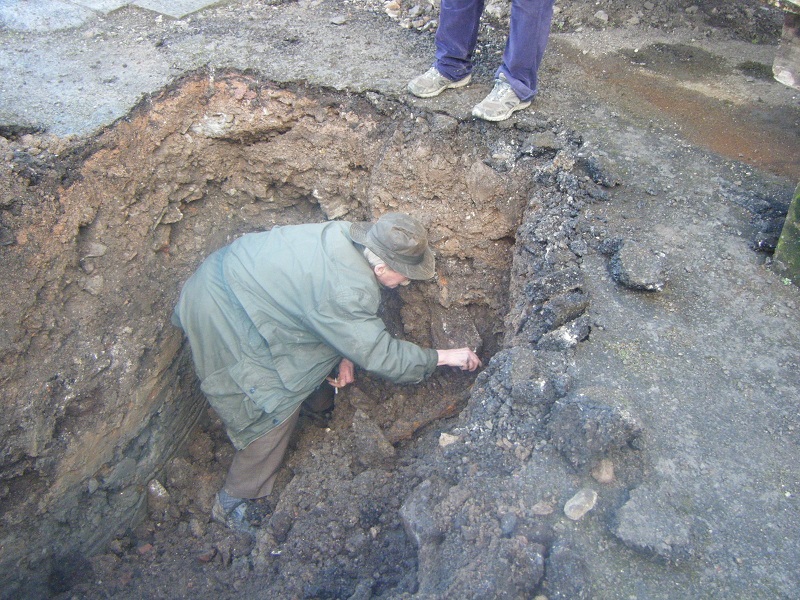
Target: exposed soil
607 253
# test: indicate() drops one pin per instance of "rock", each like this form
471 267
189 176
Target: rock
94 285
601 16
567 336
157 498
581 503
172 214
358 399
441 123
509 524
417 512
393 9
446 439
638 268
506 568
529 382
455 328
552 284
542 144
559 310
602 171
787 252
604 471
95 250
281 522
542 509
339 20
584 429
648 522
207 554
372 447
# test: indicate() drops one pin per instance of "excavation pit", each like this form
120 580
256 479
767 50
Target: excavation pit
109 445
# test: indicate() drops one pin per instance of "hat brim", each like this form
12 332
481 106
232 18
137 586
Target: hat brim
425 269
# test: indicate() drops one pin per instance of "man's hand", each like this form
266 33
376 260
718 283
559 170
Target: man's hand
463 358
346 376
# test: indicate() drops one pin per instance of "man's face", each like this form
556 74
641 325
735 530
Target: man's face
389 278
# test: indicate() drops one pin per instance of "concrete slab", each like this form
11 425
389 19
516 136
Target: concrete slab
42 15
102 6
175 8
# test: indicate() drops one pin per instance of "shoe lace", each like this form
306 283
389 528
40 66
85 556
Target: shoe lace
499 92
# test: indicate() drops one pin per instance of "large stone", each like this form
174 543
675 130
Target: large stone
637 267
787 254
651 523
372 447
418 513
585 428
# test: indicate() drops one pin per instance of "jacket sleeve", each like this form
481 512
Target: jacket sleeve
350 325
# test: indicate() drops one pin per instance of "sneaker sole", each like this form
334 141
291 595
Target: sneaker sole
503 117
449 86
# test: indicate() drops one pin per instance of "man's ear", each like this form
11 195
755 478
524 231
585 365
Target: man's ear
379 269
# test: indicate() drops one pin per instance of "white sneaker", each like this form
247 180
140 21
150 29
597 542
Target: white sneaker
432 83
500 104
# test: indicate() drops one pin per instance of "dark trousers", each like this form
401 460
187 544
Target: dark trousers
529 30
254 468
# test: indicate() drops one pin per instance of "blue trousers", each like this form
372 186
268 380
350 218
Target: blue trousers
457 36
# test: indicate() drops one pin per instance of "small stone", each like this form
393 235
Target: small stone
601 16
157 498
197 527
207 555
339 20
604 471
393 9
95 250
446 439
94 285
508 524
144 549
281 522
542 509
581 503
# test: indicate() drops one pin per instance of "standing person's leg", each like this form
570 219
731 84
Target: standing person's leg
528 33
456 37
517 77
253 470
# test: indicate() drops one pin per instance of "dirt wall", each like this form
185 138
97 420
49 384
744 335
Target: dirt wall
98 237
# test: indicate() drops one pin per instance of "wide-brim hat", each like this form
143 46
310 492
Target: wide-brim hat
399 240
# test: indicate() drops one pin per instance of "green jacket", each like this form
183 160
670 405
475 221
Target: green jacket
271 315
